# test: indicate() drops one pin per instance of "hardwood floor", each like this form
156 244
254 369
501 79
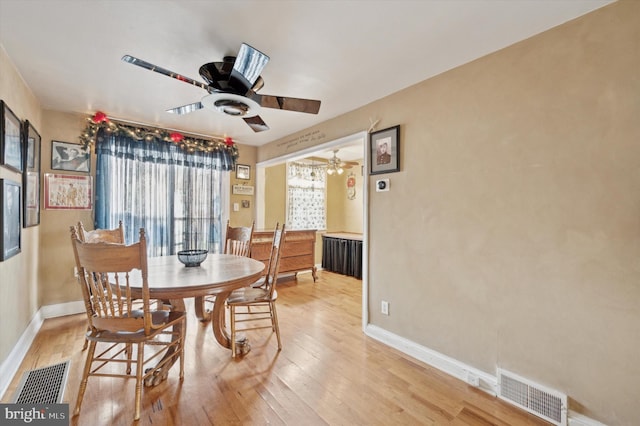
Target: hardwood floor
328 372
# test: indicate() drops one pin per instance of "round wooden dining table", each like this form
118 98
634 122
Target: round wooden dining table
219 274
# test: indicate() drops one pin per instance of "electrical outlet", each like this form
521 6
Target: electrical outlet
473 379
384 307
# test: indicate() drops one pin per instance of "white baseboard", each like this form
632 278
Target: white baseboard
455 368
62 309
576 419
11 364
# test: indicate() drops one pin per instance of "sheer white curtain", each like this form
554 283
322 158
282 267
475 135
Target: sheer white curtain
306 196
179 198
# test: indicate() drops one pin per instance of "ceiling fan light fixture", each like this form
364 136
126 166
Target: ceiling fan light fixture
231 107
229 104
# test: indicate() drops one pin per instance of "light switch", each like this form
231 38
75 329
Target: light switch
236 207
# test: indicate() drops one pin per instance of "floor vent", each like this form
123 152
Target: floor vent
43 385
536 399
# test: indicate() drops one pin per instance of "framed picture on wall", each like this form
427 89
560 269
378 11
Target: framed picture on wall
31 176
70 157
67 192
10 139
243 171
11 205
384 149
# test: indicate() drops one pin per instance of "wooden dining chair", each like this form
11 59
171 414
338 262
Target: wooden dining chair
115 235
105 272
238 242
260 302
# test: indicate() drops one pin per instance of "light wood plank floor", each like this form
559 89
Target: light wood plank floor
328 372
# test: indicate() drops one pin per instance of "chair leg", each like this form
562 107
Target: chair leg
139 368
86 341
274 323
129 351
182 341
85 377
232 316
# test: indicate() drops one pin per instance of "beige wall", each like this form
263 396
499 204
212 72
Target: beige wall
511 236
343 214
19 282
275 180
56 282
245 215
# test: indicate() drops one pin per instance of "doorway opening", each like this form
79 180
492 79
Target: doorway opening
344 162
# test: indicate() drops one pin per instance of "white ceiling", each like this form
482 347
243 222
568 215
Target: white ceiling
344 53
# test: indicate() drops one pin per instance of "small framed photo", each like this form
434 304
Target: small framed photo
243 172
384 149
10 139
68 192
31 176
32 143
70 157
10 218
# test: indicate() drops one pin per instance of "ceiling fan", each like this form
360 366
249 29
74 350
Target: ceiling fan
232 87
335 164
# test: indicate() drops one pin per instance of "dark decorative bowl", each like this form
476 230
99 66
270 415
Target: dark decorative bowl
192 257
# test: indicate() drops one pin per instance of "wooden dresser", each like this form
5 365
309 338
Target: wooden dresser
298 253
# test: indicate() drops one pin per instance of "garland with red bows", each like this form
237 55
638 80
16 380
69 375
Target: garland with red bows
100 121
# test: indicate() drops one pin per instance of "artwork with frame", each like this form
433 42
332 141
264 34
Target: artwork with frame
384 150
10 139
31 176
10 218
70 157
68 192
243 171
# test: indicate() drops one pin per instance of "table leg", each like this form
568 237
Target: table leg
201 311
161 374
218 324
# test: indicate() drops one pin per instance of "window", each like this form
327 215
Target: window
176 196
306 192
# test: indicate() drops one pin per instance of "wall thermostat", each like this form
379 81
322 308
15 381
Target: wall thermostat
382 185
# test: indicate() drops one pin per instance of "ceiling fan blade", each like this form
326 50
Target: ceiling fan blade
146 65
309 106
247 68
256 123
186 109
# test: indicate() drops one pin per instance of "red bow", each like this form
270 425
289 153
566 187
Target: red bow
176 137
100 117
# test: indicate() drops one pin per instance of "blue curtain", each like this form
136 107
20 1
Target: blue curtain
173 194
